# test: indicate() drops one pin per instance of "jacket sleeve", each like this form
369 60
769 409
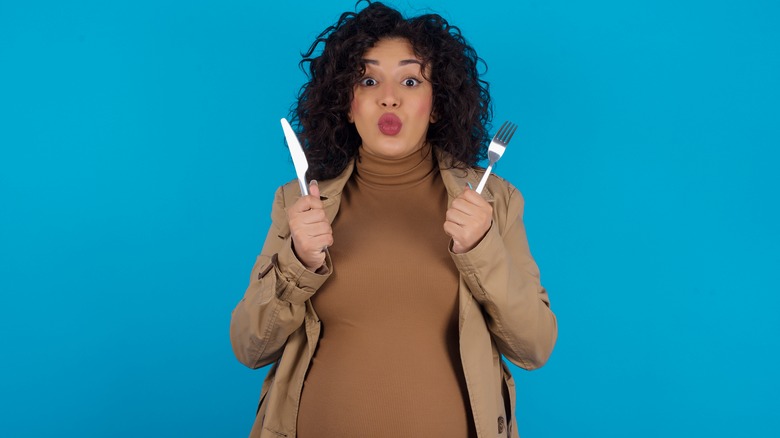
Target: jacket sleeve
274 304
505 281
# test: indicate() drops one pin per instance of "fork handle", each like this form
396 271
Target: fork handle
484 178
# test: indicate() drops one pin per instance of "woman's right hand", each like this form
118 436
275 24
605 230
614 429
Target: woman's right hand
310 229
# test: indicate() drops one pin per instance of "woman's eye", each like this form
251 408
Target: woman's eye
368 82
411 82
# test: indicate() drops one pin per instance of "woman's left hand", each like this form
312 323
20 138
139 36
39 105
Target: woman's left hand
468 220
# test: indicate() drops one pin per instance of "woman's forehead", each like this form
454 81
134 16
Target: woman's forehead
391 48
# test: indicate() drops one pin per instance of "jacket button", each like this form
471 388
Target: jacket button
500 424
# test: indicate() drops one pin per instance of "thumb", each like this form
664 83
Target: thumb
314 188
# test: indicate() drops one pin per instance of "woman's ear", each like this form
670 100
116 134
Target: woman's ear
433 118
349 117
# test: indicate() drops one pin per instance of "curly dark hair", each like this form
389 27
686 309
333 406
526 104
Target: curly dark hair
461 100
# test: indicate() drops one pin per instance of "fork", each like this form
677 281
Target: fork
496 149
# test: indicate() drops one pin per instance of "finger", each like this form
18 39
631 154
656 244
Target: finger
461 204
455 232
305 232
470 202
452 229
319 243
311 247
311 216
309 202
307 207
313 261
315 248
317 262
457 217
316 230
473 198
466 208
302 205
314 188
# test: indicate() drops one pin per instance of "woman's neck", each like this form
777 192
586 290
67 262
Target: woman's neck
395 173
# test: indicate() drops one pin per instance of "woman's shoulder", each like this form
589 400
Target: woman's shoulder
497 184
462 173
495 187
505 195
289 192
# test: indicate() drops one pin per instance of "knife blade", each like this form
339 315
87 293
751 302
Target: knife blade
298 157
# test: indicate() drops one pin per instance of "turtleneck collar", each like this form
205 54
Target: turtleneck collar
395 173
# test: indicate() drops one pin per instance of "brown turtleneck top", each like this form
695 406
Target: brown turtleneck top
388 362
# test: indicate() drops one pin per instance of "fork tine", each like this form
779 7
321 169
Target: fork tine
510 132
501 130
496 149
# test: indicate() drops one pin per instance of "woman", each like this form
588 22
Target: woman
386 298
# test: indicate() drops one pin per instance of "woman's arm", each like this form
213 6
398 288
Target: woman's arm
504 279
273 306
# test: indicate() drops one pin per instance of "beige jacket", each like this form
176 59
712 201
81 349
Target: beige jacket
504 310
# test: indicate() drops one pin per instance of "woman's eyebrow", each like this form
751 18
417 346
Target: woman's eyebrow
401 62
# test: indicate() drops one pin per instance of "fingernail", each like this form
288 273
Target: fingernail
472 188
314 182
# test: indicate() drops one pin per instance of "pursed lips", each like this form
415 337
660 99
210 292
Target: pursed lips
389 124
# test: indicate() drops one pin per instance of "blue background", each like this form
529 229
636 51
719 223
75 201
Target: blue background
140 148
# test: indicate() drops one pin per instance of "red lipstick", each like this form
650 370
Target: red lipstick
389 124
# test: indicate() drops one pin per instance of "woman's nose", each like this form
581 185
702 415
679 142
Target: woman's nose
389 98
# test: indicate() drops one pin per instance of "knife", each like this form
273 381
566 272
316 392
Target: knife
298 157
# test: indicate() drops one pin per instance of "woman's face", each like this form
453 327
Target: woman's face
392 102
